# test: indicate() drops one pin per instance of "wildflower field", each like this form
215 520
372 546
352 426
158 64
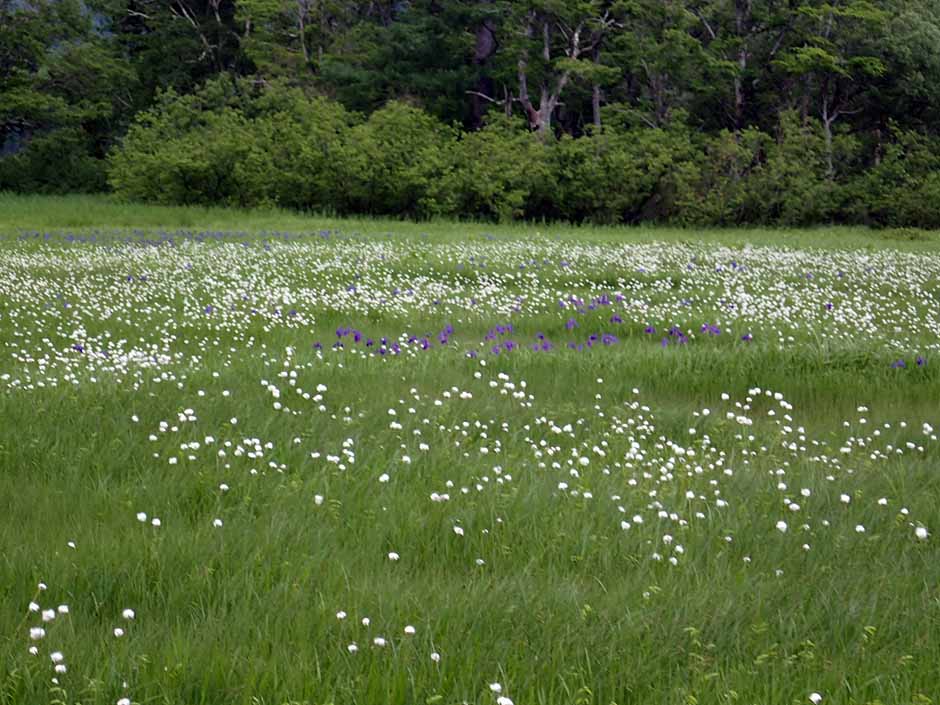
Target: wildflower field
365 463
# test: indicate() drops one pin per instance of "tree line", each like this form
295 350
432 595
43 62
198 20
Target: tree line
690 111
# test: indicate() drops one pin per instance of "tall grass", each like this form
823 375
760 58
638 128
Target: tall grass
543 590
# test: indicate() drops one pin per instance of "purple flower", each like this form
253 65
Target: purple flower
921 361
649 330
747 337
571 323
616 319
898 364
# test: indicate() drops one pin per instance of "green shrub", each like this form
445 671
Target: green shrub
501 172
58 161
392 161
620 176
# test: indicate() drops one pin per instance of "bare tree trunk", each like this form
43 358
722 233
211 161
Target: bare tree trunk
484 48
742 18
596 93
827 119
302 29
596 106
540 119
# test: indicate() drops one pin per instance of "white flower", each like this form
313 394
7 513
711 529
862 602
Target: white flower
155 521
217 523
844 498
36 633
458 530
60 668
33 607
48 615
63 609
383 477
366 621
341 615
141 516
496 687
318 499
57 657
379 641
859 529
124 701
409 630
34 650
782 527
815 698
352 648
392 556
435 657
128 613
921 533
118 632
503 700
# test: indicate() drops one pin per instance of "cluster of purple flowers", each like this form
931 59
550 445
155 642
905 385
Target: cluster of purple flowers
347 334
900 364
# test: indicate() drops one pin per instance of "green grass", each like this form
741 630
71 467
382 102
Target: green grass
35 212
567 606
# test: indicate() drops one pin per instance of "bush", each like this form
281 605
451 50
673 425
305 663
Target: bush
58 161
391 162
239 143
620 176
501 172
232 144
903 188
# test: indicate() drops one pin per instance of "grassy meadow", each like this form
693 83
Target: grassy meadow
265 458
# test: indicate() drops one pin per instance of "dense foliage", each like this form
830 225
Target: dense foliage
694 111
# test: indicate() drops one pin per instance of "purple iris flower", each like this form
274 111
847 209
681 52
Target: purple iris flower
898 364
649 330
921 361
747 337
571 323
616 319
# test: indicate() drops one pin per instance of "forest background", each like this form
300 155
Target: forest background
695 112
